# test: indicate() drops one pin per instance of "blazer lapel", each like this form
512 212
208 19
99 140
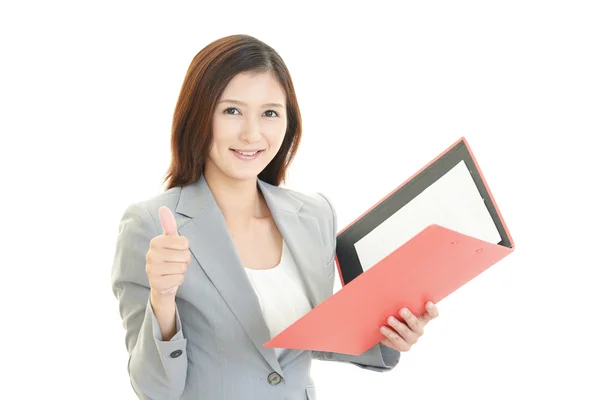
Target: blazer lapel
212 246
302 235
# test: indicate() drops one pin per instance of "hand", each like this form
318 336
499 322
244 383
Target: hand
167 259
404 335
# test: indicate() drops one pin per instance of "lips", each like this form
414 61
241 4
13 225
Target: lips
250 154
247 152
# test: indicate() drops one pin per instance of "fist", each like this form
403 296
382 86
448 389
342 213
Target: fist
167 258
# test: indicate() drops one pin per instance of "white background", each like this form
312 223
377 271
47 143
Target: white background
87 94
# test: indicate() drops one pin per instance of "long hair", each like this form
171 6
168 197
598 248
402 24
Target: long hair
206 78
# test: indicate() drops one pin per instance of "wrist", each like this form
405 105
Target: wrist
161 303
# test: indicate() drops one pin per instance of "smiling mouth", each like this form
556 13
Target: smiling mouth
246 154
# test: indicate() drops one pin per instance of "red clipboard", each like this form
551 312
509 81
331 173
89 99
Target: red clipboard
431 265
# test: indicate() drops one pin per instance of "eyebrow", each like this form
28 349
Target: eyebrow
244 104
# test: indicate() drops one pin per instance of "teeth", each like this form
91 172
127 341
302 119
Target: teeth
245 153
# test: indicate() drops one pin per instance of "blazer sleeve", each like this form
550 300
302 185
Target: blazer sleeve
157 369
378 358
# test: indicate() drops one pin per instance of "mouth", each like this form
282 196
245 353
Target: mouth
246 154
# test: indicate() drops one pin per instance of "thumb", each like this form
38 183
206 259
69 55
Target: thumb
167 220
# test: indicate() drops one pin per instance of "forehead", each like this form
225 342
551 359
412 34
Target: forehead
253 86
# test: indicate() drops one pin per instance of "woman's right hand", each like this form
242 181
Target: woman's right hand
167 259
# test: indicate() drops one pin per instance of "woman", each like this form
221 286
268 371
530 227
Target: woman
255 257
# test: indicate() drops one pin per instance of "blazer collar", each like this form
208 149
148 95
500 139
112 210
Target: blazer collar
212 246
197 196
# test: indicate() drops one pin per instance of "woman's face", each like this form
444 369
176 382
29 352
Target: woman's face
249 125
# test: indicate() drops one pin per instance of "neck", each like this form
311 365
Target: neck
237 199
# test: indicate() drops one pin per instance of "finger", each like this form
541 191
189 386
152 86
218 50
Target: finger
162 269
177 256
163 255
171 256
412 321
167 221
167 282
170 242
403 330
431 312
395 340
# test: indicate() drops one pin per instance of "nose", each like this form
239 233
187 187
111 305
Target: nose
251 131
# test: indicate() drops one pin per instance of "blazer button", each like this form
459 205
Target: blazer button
274 378
176 353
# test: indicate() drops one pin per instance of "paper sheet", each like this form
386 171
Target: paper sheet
453 201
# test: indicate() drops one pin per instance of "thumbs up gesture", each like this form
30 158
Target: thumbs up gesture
167 258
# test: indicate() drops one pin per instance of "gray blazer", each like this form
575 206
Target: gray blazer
218 350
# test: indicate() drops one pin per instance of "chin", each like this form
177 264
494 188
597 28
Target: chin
243 175
238 171
245 172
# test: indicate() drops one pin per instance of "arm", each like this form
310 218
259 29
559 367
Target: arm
157 368
378 358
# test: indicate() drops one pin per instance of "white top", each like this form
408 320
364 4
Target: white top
281 294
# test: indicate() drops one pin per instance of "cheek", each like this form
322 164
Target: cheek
212 153
275 134
225 129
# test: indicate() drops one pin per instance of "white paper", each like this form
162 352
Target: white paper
453 201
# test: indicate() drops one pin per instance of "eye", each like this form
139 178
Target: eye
227 110
274 113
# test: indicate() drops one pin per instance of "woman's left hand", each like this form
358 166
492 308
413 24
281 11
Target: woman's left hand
404 335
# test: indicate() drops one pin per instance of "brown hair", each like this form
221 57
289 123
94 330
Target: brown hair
207 76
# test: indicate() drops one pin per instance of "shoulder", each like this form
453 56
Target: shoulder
319 206
145 211
315 204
